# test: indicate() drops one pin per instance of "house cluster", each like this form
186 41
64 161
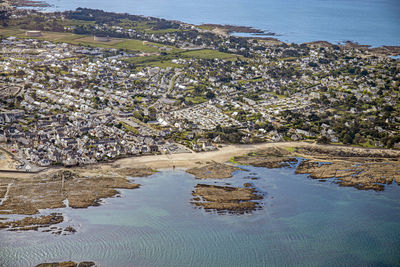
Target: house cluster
58 120
76 139
203 116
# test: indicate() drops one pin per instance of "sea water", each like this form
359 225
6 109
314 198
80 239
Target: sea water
372 22
303 222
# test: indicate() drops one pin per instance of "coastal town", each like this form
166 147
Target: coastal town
132 140
87 86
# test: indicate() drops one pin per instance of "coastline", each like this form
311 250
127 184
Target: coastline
230 29
187 160
167 161
85 186
29 3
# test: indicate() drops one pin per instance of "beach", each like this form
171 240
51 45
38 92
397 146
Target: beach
189 160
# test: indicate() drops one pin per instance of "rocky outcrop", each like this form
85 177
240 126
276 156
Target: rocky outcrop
56 190
268 158
32 223
213 171
364 169
348 153
68 264
136 172
50 191
226 199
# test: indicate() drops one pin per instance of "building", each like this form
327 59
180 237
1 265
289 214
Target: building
33 33
101 38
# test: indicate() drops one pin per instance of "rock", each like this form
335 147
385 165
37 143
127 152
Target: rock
58 264
32 223
68 264
27 196
70 229
86 264
361 175
136 172
268 158
224 199
213 171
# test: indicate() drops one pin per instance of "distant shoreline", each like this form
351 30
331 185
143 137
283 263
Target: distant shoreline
28 3
229 29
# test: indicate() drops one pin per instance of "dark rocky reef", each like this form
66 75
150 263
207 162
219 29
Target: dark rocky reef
227 199
68 264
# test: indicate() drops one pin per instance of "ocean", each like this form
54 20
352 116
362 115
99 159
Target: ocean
304 222
371 22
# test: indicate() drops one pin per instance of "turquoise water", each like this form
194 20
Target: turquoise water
373 22
303 222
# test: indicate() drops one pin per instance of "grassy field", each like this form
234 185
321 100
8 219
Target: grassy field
90 39
166 60
74 22
275 94
208 54
290 149
11 32
196 99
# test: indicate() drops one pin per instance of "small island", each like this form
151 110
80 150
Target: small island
227 199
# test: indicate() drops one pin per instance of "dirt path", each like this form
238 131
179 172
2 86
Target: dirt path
6 194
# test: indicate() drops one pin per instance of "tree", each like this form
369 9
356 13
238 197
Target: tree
210 95
137 115
347 139
323 140
4 16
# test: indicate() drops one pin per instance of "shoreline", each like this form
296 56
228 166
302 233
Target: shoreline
29 3
184 160
229 30
85 186
164 162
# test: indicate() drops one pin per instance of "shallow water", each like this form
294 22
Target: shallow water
373 22
303 222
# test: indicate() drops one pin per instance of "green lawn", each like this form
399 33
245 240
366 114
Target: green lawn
196 99
275 94
209 54
291 149
165 60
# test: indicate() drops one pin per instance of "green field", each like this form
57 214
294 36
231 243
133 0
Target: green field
165 60
208 54
196 99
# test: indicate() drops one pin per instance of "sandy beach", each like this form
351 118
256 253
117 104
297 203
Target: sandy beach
168 161
188 160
